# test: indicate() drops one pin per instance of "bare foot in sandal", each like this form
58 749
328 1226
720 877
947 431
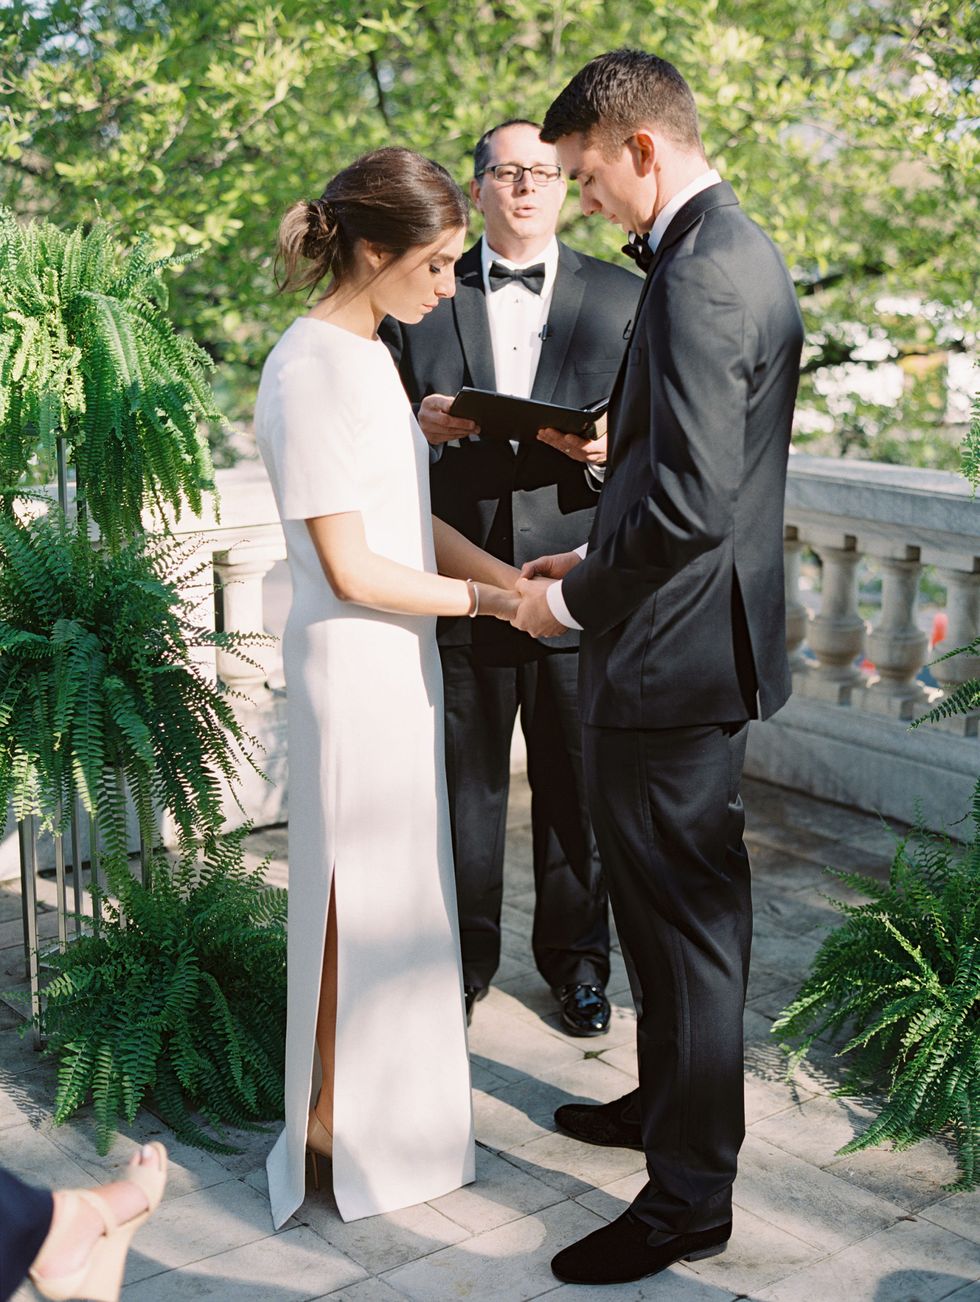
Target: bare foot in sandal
85 1249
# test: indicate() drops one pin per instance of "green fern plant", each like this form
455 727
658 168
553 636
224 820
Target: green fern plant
98 688
965 698
88 353
970 451
901 977
179 1001
962 699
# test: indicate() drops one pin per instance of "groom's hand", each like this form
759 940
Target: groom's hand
436 423
534 614
551 567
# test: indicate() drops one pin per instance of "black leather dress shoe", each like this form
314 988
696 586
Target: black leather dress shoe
627 1249
584 1009
471 994
602 1123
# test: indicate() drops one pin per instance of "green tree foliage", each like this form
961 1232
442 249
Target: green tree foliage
181 996
902 977
87 353
98 685
848 127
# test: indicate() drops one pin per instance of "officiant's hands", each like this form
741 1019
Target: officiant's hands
436 423
591 452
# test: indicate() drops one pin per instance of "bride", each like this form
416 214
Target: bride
375 1038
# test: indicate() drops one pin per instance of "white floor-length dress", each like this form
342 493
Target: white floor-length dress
367 793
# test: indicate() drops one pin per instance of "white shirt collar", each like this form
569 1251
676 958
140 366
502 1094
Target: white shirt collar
548 255
669 209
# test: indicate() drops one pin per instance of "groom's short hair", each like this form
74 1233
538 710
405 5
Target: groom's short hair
619 92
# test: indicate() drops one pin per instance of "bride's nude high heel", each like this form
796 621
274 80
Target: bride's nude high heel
100 1278
319 1143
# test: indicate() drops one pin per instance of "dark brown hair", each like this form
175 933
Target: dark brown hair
481 152
393 198
617 93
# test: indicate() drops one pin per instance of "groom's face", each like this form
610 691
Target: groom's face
616 185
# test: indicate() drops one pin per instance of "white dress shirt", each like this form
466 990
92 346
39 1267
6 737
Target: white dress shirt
517 317
556 602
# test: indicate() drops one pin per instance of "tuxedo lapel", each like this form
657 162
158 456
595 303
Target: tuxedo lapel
613 441
566 302
473 327
715 196
720 195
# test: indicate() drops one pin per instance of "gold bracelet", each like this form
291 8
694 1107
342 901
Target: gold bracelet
475 605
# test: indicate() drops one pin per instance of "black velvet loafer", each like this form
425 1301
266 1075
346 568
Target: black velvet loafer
602 1123
471 994
627 1249
584 1009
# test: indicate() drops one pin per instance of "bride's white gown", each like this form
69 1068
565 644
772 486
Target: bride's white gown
367 793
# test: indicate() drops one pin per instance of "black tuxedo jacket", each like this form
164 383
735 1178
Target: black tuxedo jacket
681 592
522 505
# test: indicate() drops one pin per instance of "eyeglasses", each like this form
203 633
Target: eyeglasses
513 173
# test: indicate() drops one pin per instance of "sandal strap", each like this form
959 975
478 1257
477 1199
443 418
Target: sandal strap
107 1215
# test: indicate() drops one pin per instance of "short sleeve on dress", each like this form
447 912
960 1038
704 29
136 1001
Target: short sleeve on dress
316 452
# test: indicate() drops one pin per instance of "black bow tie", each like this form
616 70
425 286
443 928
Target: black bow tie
639 250
531 277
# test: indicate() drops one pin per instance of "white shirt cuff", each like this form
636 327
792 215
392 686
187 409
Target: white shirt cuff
595 476
582 550
556 604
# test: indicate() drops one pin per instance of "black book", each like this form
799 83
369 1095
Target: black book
503 416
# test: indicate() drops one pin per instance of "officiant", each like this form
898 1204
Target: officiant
534 318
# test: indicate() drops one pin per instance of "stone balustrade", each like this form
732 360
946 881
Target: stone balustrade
857 683
844 735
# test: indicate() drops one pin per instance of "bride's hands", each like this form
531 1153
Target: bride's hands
499 602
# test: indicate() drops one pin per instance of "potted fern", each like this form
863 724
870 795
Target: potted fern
98 689
179 1001
901 976
89 356
101 697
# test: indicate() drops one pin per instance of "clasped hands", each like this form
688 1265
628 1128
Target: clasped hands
525 604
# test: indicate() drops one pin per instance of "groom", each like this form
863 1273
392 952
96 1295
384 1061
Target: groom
680 599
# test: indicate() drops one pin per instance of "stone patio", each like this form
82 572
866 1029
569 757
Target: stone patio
809 1226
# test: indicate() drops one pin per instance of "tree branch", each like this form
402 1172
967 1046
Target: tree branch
379 89
869 270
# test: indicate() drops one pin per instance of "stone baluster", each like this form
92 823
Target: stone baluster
239 573
836 633
897 645
963 625
796 612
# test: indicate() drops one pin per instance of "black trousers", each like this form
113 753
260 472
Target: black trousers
25 1218
669 820
570 939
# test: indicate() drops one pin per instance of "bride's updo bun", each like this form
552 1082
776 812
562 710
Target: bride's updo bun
393 198
321 228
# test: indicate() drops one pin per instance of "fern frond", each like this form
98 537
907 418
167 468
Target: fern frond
902 974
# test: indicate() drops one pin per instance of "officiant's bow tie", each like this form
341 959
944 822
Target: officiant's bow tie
531 278
639 250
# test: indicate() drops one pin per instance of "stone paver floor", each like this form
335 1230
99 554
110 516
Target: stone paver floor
809 1226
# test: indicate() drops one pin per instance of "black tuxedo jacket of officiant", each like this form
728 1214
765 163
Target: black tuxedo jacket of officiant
522 505
681 593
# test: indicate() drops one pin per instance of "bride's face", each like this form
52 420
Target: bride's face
409 287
